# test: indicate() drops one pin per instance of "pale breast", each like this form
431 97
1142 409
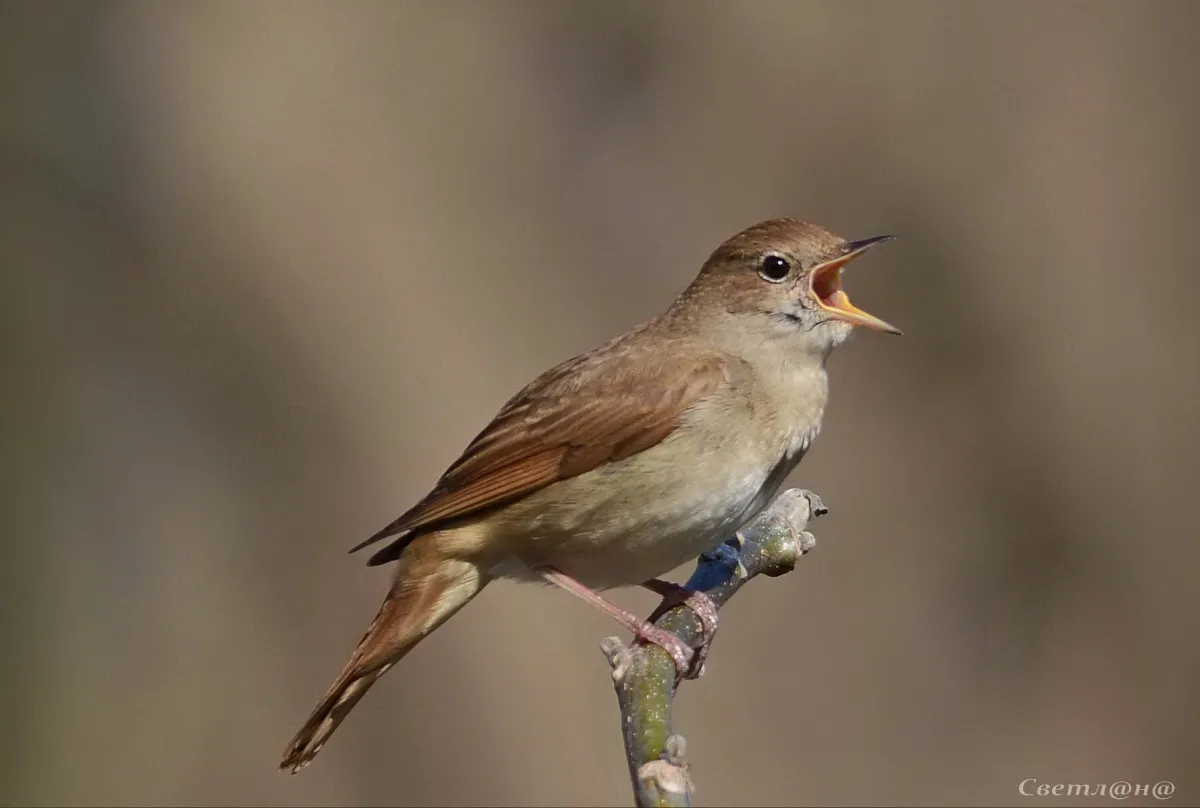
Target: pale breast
641 517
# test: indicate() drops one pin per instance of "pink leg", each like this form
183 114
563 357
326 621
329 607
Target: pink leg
679 652
701 605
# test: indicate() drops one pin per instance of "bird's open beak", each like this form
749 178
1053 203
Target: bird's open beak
825 285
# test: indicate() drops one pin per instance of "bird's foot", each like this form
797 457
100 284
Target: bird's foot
701 605
689 662
684 657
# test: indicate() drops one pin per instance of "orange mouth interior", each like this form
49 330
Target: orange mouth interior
827 288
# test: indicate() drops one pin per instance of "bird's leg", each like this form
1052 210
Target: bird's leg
680 653
701 605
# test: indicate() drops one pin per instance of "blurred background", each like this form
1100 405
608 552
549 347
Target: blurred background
268 267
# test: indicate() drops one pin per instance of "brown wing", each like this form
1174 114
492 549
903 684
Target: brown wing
597 407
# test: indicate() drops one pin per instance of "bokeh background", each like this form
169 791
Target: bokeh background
267 267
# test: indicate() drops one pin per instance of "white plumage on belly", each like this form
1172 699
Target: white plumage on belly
616 539
640 517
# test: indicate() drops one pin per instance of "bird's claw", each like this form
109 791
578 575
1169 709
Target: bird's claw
681 654
706 612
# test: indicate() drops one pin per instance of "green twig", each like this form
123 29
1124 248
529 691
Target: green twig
644 675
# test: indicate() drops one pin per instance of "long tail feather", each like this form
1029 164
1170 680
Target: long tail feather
427 591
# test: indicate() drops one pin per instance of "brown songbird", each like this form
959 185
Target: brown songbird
622 463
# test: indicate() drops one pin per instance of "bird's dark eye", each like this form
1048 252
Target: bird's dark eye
774 268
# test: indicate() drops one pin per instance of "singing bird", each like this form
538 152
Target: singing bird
620 464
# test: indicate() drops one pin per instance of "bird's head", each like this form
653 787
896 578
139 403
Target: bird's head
784 277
